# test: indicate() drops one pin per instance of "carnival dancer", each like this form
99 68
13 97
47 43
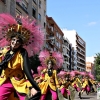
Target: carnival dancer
62 82
85 84
75 80
70 78
22 36
52 60
92 81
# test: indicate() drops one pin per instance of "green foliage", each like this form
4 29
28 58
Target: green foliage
34 62
97 67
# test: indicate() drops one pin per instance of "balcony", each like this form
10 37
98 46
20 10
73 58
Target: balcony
65 46
50 29
80 62
80 49
81 53
83 45
23 7
66 62
65 54
81 58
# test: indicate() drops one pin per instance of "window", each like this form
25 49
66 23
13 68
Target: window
34 12
35 1
39 3
45 1
44 13
57 34
18 13
39 17
59 45
24 5
44 24
54 49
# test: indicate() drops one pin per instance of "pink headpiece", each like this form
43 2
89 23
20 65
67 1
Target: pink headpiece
35 75
91 76
62 73
76 72
39 69
29 32
72 73
45 55
83 73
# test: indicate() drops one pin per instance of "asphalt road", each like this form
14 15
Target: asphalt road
91 96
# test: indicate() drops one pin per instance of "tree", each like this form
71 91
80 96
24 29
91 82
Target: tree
97 66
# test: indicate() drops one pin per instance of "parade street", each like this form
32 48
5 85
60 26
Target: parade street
92 96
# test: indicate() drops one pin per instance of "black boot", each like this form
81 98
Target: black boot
80 95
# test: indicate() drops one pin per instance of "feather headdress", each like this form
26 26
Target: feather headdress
22 27
39 69
55 57
91 76
72 73
62 74
83 73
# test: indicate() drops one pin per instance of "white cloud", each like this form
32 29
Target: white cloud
92 23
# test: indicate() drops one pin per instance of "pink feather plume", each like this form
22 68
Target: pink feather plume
59 58
62 73
72 73
45 54
83 73
36 34
39 69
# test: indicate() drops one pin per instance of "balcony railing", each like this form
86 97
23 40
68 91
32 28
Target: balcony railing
81 49
81 53
80 43
80 62
80 58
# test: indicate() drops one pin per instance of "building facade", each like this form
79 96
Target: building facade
35 9
79 49
72 59
53 30
66 54
90 67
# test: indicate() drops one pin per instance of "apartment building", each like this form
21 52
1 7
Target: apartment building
79 49
53 31
72 59
66 54
35 9
90 67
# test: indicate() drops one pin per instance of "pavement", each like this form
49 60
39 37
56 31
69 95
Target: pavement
91 96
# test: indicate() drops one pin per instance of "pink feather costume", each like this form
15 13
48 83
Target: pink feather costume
14 74
50 81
